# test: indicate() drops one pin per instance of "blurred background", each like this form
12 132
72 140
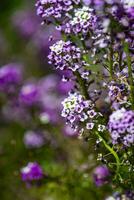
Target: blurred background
37 132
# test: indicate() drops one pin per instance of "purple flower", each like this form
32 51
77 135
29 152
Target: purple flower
33 139
29 94
10 77
121 127
31 172
101 175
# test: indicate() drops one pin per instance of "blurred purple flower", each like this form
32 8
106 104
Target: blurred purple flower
31 172
14 111
101 175
25 23
33 139
49 116
49 83
10 77
95 2
43 38
29 94
48 93
65 87
68 131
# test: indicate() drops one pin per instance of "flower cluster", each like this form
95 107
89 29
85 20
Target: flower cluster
83 22
77 111
56 9
65 55
121 127
98 40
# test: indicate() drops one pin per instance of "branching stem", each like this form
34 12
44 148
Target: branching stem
111 58
112 152
130 74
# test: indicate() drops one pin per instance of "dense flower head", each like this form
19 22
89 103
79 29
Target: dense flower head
101 175
77 110
29 94
31 172
121 127
56 9
10 77
33 139
83 22
66 55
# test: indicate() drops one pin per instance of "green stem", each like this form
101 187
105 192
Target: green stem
82 85
111 58
130 74
112 152
120 60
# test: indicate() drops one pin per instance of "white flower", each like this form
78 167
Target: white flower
128 3
57 47
101 128
81 15
89 126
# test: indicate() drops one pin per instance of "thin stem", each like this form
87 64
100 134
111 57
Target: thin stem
120 60
111 151
111 58
82 85
130 74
